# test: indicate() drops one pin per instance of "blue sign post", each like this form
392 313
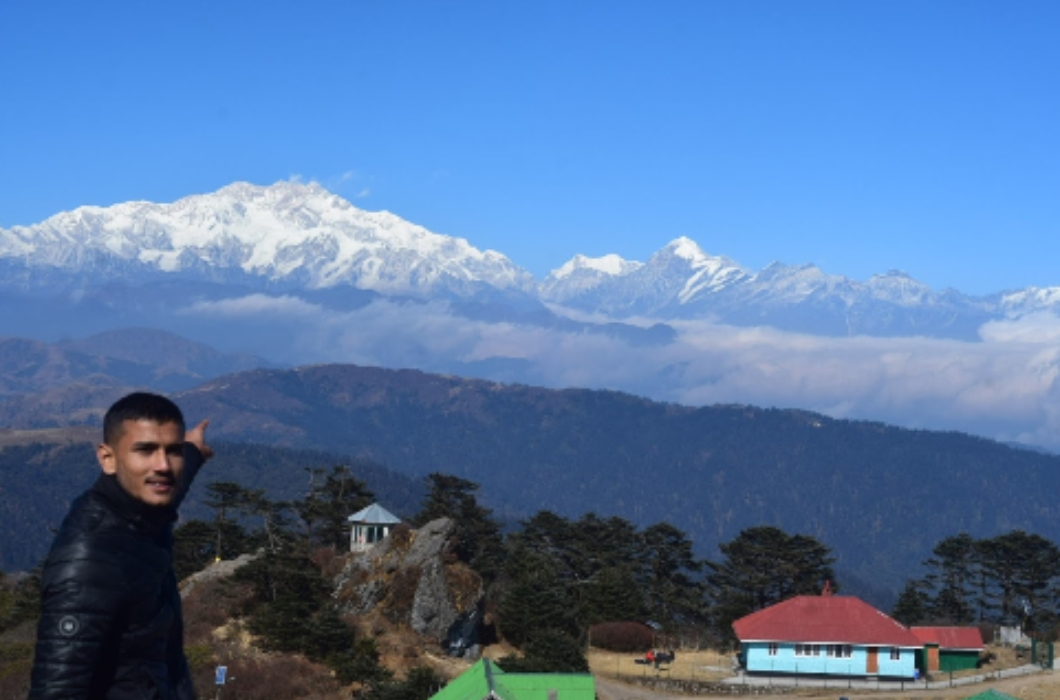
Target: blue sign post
219 679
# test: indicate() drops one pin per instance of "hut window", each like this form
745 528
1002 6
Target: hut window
896 654
772 648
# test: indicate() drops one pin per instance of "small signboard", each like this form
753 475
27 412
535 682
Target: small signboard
219 676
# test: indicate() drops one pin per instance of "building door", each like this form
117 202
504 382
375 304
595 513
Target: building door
872 663
933 658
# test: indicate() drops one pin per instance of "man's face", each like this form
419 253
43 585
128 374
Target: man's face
148 460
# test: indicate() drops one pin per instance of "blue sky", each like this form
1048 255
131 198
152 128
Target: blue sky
860 136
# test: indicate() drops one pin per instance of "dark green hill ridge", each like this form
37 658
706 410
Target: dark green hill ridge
881 496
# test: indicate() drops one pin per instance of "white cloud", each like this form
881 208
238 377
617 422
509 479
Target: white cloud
1040 327
1006 387
366 192
251 306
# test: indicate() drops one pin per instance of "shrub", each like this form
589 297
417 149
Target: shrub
622 636
549 651
199 656
419 684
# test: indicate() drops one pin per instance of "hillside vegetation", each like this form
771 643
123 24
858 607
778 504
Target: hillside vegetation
881 496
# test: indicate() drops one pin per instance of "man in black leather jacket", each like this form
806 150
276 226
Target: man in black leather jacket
111 625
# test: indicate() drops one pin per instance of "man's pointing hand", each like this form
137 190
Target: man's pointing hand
197 437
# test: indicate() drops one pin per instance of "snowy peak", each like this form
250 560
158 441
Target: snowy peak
287 231
611 264
683 247
701 273
582 275
898 287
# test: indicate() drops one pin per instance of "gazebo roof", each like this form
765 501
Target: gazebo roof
374 514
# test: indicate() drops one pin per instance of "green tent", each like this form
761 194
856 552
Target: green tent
488 680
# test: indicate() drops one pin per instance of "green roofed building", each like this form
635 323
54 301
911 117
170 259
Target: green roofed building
991 695
486 680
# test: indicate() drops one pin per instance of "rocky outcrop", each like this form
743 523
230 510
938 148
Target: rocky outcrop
216 570
412 579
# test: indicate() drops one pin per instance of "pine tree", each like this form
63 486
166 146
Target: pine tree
674 593
913 604
1023 568
951 576
333 496
535 599
224 497
762 566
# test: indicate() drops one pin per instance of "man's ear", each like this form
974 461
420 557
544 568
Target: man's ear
105 455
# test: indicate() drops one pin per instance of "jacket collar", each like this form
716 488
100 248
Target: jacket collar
137 512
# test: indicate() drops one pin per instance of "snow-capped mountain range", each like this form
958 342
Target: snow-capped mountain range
295 233
291 236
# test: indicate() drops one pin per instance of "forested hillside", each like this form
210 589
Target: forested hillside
881 496
38 480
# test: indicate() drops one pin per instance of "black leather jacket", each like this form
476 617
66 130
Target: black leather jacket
110 625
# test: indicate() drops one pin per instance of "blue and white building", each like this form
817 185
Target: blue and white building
827 635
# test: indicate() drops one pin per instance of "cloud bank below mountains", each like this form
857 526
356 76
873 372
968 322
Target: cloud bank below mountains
1004 387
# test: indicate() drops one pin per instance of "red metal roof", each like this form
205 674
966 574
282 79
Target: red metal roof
824 619
950 637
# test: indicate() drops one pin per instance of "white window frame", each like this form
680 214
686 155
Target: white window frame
838 651
773 647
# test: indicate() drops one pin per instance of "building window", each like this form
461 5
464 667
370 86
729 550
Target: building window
772 648
838 651
896 654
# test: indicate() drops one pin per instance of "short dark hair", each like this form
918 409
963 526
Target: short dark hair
139 405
